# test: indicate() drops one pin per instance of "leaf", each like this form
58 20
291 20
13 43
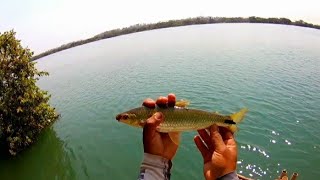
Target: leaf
24 106
19 109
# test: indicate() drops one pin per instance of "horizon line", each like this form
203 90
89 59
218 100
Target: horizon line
199 20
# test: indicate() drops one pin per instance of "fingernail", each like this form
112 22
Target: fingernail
158 116
171 100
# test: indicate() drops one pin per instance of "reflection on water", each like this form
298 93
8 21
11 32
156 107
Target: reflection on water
47 159
253 169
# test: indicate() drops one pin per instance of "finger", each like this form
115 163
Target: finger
206 138
162 102
171 100
294 176
149 103
216 139
165 136
170 148
150 127
227 136
284 174
224 132
202 148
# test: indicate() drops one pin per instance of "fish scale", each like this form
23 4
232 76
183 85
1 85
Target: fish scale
181 119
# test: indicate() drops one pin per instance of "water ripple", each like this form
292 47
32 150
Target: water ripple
275 74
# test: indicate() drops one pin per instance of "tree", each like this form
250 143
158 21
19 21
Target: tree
24 107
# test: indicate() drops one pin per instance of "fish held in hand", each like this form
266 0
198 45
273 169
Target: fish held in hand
180 119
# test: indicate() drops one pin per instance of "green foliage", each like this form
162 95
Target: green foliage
24 108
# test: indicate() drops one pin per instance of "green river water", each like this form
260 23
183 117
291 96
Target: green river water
274 70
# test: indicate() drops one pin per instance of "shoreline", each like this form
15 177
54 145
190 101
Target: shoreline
175 23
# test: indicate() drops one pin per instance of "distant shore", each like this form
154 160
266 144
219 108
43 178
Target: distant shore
175 23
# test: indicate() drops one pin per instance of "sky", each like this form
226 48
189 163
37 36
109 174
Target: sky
46 24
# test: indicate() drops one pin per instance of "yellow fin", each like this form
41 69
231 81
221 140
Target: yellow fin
233 128
238 117
175 137
182 103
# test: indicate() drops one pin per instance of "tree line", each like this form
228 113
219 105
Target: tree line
176 23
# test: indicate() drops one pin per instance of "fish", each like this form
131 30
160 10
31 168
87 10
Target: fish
181 118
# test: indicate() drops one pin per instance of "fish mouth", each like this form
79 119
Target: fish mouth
118 117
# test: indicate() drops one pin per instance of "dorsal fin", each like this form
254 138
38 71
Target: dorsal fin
182 103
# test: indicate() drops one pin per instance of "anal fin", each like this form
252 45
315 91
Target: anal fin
175 137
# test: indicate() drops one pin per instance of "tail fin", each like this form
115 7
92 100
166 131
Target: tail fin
238 117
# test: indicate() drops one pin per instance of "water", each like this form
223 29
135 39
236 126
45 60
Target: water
274 70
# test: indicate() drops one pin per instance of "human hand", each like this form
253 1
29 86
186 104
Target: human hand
219 151
284 176
155 142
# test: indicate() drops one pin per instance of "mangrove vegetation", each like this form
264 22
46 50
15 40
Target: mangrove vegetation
24 107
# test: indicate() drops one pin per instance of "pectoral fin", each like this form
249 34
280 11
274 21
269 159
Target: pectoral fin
175 137
182 103
233 128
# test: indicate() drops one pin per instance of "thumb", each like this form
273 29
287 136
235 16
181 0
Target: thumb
150 127
216 139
